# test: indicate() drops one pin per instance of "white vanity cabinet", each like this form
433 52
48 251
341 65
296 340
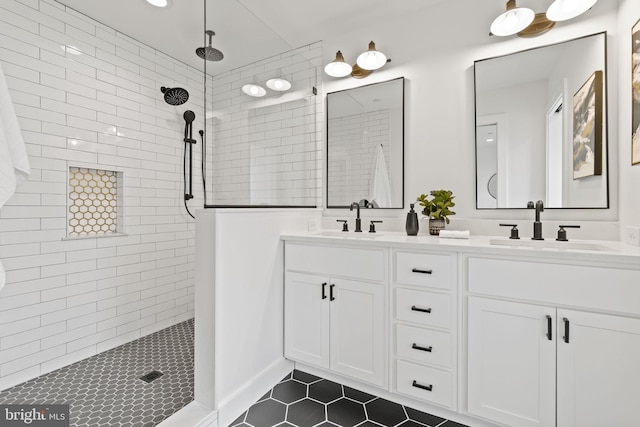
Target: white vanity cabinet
537 348
424 325
335 311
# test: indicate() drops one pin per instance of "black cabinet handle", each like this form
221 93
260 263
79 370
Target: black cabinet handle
549 333
324 290
417 347
331 297
421 310
566 330
417 270
424 387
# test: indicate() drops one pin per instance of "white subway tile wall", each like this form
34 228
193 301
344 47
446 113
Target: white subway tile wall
353 141
88 96
267 151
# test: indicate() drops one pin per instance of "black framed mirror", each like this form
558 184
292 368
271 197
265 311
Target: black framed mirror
541 127
365 146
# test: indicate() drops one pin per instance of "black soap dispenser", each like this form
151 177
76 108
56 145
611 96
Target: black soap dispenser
412 222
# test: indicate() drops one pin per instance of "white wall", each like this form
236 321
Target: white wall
629 175
239 308
437 59
66 300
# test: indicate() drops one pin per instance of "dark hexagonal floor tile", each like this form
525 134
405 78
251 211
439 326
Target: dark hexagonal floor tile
410 423
267 413
358 395
385 412
424 418
306 413
238 420
289 391
325 391
452 424
305 377
346 413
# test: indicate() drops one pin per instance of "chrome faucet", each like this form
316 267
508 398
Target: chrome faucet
537 224
358 220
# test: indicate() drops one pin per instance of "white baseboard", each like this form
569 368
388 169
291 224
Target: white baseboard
193 415
232 407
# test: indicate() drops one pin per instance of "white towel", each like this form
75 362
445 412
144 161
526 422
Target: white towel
14 163
379 187
454 234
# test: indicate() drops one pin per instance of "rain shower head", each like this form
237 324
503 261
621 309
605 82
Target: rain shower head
175 95
209 53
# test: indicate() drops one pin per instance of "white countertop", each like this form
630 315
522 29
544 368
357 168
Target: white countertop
597 251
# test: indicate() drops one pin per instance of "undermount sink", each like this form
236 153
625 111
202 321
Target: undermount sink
349 234
550 244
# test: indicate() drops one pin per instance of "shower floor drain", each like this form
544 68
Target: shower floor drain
153 375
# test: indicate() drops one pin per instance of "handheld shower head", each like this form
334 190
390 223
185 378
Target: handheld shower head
175 95
209 53
189 116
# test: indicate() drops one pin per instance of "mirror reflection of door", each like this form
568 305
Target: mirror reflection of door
555 183
487 178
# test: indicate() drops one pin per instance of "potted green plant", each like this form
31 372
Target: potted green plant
437 209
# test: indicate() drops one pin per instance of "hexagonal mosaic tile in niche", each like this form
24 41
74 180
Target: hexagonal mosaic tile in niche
93 202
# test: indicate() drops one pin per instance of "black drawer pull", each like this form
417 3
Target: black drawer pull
549 328
331 297
417 270
566 330
424 387
417 347
421 310
324 290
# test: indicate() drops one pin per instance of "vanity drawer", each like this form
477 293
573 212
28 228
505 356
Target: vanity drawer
601 288
423 345
423 308
424 270
357 263
424 383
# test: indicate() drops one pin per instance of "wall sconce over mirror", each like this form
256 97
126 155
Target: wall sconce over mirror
366 63
524 22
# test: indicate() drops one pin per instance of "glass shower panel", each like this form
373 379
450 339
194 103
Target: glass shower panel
263 151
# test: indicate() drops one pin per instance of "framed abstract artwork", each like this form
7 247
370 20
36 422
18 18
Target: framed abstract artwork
635 106
587 127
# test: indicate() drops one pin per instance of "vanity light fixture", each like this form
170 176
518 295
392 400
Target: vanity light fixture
366 63
338 68
561 10
254 90
514 20
159 3
278 84
525 23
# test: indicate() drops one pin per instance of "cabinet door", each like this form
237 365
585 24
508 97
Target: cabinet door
306 319
357 330
598 370
511 362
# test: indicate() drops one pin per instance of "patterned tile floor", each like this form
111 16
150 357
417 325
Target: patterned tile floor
106 389
304 400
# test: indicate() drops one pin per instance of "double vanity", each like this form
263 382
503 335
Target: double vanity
509 332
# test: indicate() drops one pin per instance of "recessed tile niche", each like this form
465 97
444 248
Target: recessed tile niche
94 202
